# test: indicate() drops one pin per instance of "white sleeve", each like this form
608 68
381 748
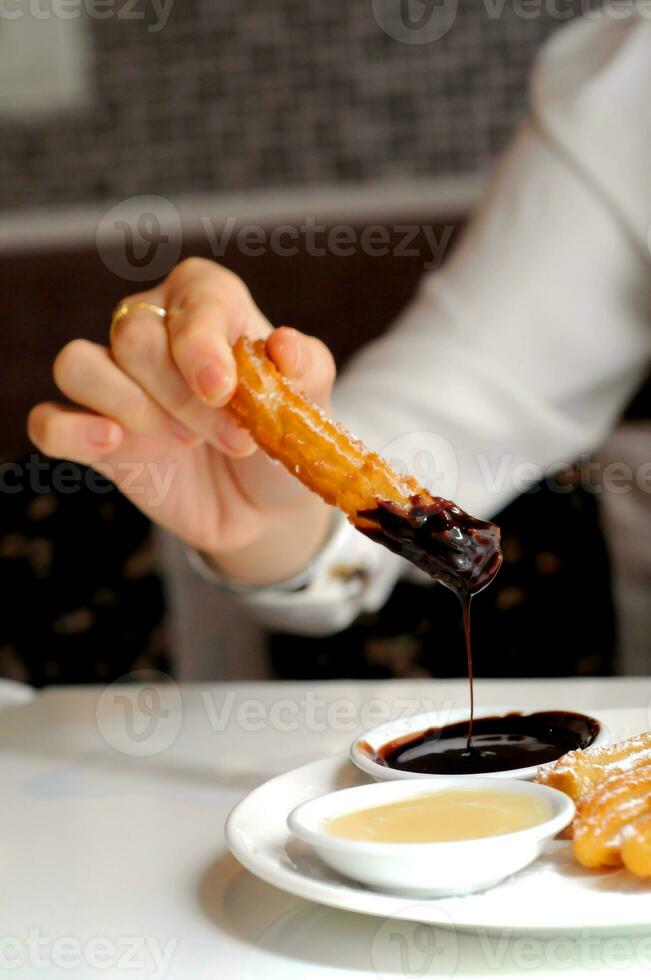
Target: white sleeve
520 354
351 575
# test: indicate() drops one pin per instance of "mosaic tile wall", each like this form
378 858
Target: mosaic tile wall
238 94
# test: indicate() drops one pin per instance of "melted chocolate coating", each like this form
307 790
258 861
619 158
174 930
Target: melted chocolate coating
499 743
456 549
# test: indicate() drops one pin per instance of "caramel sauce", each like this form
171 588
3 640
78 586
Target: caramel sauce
449 815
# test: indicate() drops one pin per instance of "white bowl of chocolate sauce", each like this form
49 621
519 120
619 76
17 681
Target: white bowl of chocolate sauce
436 837
504 742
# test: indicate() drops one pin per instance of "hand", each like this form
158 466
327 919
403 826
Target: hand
151 417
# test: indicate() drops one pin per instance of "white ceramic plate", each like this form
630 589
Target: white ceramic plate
553 895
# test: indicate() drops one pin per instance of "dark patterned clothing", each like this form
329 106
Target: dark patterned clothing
83 601
81 598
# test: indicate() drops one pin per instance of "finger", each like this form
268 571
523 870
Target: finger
305 360
208 309
141 350
68 434
200 348
154 298
194 278
86 373
132 462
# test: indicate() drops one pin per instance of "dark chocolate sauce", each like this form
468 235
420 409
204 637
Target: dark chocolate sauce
464 554
460 551
511 741
454 548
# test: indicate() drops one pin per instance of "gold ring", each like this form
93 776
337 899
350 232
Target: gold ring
125 308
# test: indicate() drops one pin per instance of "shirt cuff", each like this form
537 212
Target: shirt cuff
209 573
351 575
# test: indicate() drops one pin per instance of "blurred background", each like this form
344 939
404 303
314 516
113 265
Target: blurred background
134 134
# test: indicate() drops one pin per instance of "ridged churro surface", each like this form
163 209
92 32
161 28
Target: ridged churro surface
455 548
317 450
578 773
603 815
636 846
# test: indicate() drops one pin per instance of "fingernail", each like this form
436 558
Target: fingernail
214 383
182 433
289 350
102 432
233 439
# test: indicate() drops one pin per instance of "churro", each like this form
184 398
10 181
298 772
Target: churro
579 772
603 815
636 846
435 534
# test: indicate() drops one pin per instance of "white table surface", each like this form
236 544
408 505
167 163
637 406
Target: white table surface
111 834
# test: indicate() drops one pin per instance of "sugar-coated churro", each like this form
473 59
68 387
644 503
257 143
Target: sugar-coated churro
458 550
636 846
602 816
578 773
317 450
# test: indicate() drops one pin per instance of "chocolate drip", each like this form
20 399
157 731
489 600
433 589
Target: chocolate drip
460 551
465 607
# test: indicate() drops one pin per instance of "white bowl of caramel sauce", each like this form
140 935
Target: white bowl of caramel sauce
437 837
505 742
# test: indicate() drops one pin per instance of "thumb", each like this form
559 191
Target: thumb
305 360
